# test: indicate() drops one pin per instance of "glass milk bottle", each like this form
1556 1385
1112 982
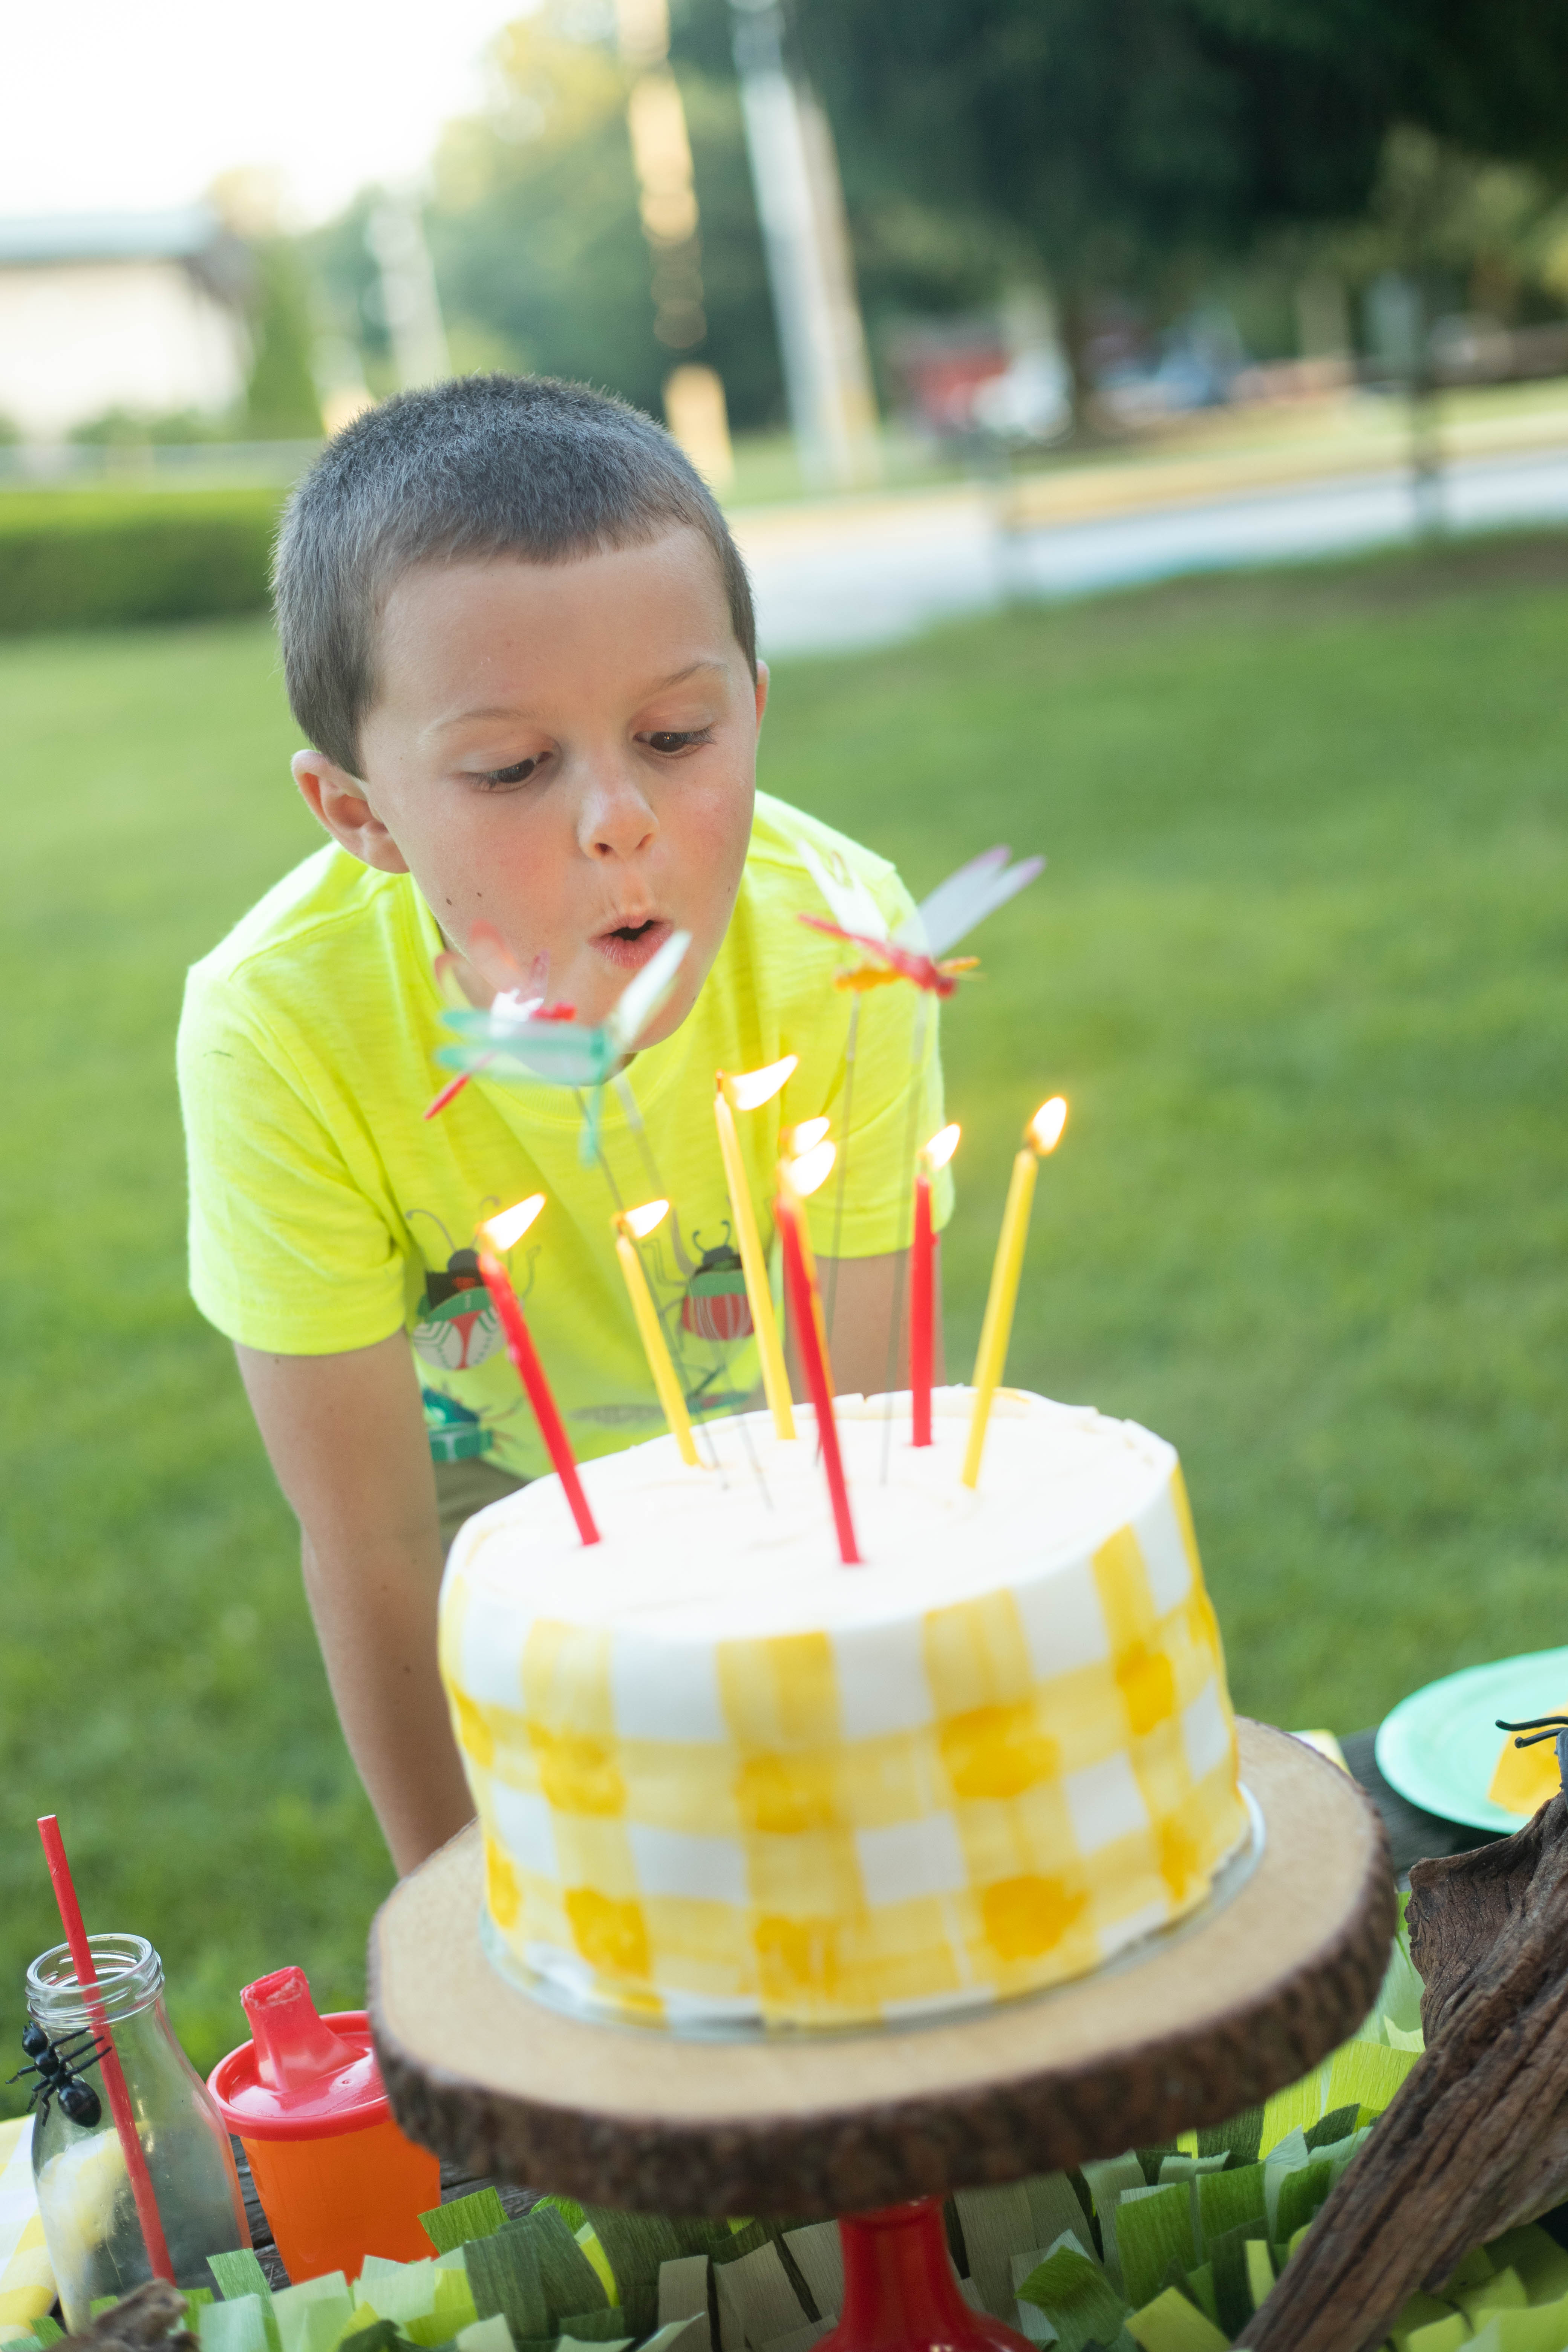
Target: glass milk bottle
85 2195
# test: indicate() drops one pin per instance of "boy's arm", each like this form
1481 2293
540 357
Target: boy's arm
865 1294
346 1437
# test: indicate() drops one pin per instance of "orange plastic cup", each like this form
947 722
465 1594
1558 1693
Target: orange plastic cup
336 2177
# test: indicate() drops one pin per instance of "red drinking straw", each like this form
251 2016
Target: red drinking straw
922 1286
113 2072
530 1373
805 1314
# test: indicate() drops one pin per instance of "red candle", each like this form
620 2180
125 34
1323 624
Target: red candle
922 1286
506 1229
922 1281
805 1314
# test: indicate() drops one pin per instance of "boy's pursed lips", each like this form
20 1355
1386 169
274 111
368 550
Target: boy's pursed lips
629 944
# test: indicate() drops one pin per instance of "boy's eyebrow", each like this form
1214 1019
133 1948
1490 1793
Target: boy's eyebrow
510 710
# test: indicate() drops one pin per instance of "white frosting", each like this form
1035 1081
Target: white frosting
746 1549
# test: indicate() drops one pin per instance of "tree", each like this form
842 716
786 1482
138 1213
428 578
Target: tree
282 403
540 257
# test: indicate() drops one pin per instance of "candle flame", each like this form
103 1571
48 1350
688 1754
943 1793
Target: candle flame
941 1146
506 1228
749 1089
808 1136
812 1168
640 1222
1044 1130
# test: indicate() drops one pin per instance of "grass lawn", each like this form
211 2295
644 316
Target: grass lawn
1300 963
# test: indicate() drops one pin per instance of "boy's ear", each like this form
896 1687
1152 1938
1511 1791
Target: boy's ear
762 690
337 800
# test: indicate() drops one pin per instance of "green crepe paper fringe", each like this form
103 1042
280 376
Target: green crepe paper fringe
238 2274
479 2216
1074 2294
1154 2231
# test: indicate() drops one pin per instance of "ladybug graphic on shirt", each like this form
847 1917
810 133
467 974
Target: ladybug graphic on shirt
456 1325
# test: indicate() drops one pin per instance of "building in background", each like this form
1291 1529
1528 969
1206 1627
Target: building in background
143 311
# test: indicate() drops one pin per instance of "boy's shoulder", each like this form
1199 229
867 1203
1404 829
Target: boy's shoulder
312 906
781 837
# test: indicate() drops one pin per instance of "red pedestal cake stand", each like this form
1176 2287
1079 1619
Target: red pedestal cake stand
1203 2022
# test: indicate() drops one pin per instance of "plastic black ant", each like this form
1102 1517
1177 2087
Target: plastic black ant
57 2065
1540 1727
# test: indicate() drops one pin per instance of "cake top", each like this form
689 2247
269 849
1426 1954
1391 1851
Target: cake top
746 1549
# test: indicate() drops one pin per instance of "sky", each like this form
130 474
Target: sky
110 105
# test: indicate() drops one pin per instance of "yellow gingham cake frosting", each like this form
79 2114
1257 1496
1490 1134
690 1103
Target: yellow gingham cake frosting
723 1779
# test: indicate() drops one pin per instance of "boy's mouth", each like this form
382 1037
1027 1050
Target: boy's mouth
628 946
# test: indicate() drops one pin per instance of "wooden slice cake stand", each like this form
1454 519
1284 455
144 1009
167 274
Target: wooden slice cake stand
1212 2017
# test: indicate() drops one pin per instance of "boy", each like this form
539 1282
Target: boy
519 638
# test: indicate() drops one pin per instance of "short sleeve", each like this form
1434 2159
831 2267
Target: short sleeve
288 1250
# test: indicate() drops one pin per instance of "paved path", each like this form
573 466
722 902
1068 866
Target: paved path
872 572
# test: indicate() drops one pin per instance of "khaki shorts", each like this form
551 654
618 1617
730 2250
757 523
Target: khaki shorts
464 1488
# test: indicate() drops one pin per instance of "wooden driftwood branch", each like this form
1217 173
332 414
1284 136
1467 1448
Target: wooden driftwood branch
1476 2140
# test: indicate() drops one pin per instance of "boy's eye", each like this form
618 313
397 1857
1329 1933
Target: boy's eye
667 739
517 773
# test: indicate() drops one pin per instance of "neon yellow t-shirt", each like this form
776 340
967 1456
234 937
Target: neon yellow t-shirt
326 1211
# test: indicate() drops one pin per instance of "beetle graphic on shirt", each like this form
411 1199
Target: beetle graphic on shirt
456 1325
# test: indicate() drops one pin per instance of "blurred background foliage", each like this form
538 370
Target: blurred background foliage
1137 163
1149 155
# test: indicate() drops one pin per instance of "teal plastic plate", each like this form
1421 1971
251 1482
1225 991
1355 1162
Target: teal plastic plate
1439 1747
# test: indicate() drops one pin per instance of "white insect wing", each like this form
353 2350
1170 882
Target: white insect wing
511 1010
642 997
853 906
965 899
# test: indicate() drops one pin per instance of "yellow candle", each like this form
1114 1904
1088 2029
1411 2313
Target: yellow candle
1042 1135
630 1229
775 1378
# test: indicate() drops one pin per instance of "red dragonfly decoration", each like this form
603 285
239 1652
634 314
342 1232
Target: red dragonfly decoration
914 952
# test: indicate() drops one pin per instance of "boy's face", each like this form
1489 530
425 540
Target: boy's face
566 752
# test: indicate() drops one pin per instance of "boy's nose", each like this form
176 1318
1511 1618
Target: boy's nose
616 819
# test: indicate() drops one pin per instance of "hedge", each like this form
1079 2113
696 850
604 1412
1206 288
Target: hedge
98 558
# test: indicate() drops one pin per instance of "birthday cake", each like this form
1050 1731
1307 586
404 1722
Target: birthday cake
725 1782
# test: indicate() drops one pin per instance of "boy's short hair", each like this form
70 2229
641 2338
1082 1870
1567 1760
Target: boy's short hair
480 467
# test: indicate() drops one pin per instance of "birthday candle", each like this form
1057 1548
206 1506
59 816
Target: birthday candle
633 1227
503 1232
922 1281
806 1310
1043 1134
747 1090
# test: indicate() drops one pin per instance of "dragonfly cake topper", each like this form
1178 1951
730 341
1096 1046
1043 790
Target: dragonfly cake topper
520 1040
916 949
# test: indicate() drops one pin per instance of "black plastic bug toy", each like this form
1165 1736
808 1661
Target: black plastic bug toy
57 2065
1540 1727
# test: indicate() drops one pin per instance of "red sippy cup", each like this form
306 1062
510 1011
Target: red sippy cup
336 2177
